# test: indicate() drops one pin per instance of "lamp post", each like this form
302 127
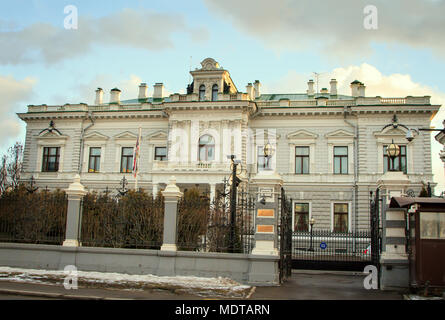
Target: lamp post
268 153
235 182
393 151
311 223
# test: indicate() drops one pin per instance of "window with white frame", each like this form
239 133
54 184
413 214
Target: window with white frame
399 163
341 217
127 160
161 153
340 160
51 157
94 159
206 148
301 216
302 160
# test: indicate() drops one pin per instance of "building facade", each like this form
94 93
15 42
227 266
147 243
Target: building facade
329 148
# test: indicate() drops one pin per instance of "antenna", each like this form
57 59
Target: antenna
317 75
190 69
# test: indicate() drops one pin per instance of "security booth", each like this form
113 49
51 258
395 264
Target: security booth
425 240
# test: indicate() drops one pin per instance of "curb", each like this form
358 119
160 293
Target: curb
54 295
333 272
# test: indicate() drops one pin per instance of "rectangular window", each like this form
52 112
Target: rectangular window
127 160
301 160
432 225
161 153
341 217
51 157
263 163
340 160
94 162
301 217
399 162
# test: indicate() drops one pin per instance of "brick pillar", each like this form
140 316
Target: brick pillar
75 193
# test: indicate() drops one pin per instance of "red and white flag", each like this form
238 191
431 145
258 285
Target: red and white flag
136 153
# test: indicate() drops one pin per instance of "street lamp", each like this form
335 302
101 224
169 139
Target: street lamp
393 151
268 153
311 223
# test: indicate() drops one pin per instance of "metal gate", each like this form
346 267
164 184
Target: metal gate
285 238
345 250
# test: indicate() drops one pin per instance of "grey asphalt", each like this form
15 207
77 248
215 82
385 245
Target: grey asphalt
303 285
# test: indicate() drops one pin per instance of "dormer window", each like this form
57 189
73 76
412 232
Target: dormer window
215 92
202 92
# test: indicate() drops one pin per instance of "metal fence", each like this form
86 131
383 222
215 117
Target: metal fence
135 220
324 247
37 217
206 226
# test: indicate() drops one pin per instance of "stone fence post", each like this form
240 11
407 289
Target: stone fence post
75 193
171 197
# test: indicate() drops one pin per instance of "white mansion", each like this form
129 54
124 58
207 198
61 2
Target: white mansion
328 148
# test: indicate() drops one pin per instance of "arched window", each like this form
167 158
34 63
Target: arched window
202 92
206 148
215 92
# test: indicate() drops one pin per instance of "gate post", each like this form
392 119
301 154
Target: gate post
265 258
171 196
75 193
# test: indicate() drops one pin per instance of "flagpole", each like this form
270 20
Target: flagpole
137 160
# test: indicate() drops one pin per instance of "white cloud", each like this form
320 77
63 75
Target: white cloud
336 27
12 94
132 28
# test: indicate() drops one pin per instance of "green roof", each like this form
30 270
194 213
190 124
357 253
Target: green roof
299 97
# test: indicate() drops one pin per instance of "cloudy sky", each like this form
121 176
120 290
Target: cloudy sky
281 42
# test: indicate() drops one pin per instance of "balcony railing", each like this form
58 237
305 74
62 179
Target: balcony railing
191 166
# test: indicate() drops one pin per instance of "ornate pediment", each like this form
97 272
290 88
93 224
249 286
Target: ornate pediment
340 133
96 136
157 136
126 135
302 134
209 64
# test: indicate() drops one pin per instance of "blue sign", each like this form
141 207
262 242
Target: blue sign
323 245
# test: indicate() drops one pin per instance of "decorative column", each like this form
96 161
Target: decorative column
171 197
155 190
75 193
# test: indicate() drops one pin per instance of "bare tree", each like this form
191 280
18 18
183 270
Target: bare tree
14 167
3 175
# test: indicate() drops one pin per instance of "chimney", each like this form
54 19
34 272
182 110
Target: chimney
310 88
333 84
158 92
354 88
99 96
361 90
143 91
257 87
115 96
250 91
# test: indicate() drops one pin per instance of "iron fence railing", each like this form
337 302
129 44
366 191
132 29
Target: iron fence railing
135 220
37 217
206 226
325 245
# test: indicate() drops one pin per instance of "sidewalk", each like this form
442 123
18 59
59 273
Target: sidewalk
304 285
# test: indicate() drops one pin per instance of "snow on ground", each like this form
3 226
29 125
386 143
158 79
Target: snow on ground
224 287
